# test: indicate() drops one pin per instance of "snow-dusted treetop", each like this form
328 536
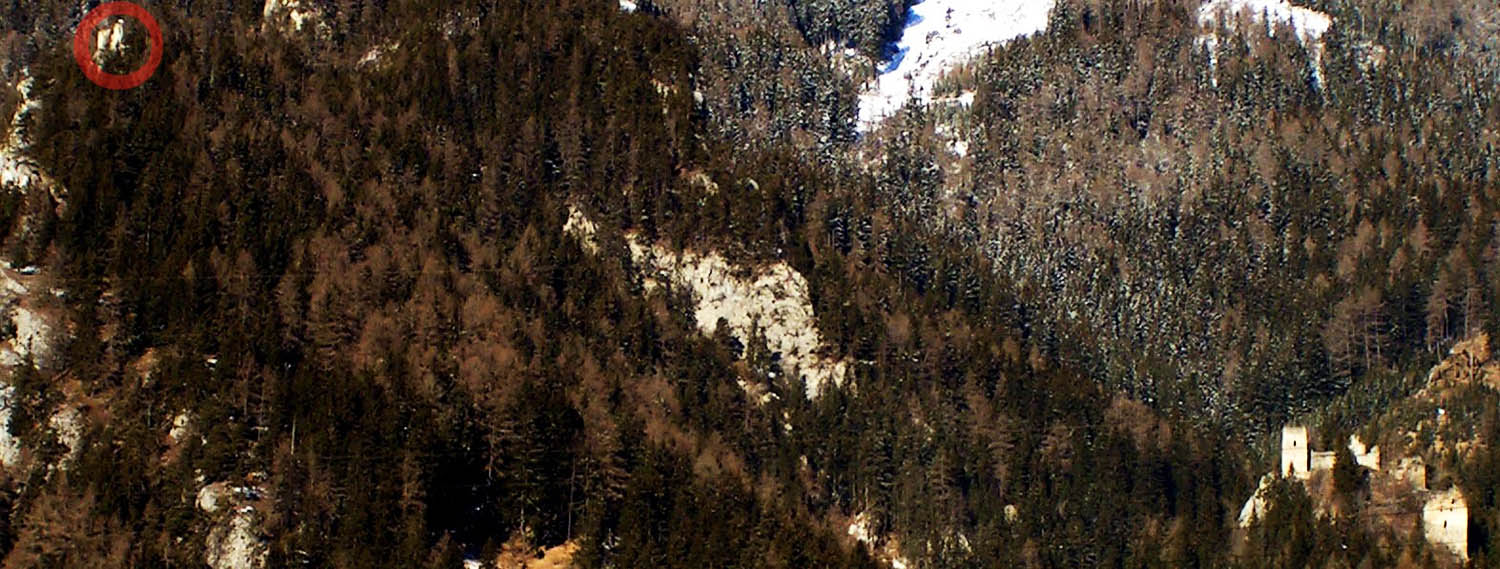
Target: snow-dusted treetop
1308 24
938 35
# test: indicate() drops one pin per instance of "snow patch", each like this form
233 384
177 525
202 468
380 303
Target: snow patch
277 13
628 6
771 298
16 171
953 139
67 425
32 340
30 330
377 53
940 34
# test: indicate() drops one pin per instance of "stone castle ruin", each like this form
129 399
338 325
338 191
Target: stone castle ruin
1445 521
1298 460
1412 471
1445 514
1294 452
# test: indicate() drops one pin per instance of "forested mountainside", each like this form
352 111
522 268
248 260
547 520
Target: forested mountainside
1243 227
423 283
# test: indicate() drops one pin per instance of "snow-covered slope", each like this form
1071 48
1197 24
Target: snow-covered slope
938 35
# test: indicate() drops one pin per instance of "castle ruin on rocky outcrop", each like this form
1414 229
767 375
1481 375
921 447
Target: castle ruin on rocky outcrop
1445 514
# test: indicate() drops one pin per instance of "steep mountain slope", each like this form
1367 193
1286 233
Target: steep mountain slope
497 283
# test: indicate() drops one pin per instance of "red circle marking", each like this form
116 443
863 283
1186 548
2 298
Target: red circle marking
83 48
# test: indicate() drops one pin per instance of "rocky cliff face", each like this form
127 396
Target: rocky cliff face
767 303
769 300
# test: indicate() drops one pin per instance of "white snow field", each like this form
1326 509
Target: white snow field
938 35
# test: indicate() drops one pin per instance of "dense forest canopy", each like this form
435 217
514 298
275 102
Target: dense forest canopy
338 250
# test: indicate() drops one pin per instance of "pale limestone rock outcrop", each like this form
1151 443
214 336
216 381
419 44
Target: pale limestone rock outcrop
237 544
1255 507
234 540
771 298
